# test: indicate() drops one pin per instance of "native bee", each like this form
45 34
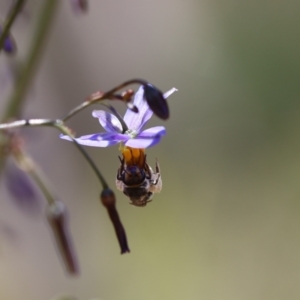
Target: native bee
138 181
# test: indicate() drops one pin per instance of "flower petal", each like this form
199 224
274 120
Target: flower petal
134 120
108 121
147 138
170 92
103 139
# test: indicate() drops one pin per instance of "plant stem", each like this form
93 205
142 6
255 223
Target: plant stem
10 20
58 124
14 105
27 73
62 128
101 96
25 123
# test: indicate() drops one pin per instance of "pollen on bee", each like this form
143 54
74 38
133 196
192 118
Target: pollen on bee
127 155
135 153
133 156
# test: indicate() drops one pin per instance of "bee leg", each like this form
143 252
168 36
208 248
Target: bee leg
156 176
157 179
148 171
119 177
121 161
157 168
121 169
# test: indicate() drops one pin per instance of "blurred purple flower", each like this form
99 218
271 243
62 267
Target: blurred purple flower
133 136
22 189
79 6
9 44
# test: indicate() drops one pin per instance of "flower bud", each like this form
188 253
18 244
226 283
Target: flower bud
127 95
108 198
156 101
109 201
57 218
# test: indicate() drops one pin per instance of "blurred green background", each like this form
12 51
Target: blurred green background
226 225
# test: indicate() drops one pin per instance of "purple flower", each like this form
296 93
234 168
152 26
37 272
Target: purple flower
133 136
9 44
21 188
79 6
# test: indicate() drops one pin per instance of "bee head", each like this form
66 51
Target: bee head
142 201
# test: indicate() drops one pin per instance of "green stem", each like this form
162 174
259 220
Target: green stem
10 20
58 124
25 123
14 105
63 129
101 97
27 73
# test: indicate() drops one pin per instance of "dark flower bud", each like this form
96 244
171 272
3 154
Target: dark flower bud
156 101
108 198
109 201
57 218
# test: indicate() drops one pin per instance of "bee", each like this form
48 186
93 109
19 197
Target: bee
138 181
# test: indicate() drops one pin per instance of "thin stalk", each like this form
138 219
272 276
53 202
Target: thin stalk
10 20
14 105
58 124
25 123
27 73
102 96
63 129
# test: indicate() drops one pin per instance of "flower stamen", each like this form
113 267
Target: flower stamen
131 133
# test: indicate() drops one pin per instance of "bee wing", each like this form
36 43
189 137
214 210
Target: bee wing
120 185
